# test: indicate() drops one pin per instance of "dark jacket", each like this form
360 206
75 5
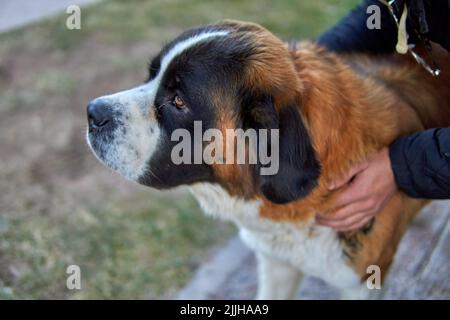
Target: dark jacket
421 162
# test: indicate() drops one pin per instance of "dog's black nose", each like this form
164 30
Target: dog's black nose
99 113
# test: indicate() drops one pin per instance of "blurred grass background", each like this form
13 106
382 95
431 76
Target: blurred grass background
58 206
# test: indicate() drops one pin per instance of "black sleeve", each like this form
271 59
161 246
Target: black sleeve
434 23
421 163
352 35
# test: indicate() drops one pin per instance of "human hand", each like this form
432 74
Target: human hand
368 187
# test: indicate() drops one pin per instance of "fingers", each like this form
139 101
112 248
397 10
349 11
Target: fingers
363 197
345 212
348 223
356 225
350 216
344 180
350 195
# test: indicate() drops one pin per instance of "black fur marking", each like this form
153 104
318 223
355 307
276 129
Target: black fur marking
208 68
299 168
215 66
366 229
351 243
155 63
352 240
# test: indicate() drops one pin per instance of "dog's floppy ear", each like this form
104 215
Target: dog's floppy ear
299 168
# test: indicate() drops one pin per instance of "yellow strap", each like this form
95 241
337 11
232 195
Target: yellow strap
402 37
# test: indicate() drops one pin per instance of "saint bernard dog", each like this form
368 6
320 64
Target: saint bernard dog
332 111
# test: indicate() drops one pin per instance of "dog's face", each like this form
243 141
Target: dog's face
230 75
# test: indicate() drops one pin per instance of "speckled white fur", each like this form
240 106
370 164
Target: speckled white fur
134 140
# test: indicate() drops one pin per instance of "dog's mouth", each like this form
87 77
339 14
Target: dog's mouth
110 146
99 140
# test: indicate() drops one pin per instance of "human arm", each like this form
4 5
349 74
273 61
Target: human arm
418 164
351 34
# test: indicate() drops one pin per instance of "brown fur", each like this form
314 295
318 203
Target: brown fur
353 106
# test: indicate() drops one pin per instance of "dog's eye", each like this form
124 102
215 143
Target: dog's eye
178 102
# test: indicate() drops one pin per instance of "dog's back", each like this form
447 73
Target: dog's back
355 105
423 102
427 95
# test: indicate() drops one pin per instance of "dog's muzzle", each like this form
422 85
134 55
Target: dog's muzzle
123 131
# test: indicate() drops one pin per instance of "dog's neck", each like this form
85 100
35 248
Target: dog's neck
336 104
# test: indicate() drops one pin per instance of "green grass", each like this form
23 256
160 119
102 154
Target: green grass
141 253
121 22
58 206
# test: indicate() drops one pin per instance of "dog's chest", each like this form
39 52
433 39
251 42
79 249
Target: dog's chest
312 249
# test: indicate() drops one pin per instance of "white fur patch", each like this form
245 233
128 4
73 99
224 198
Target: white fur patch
312 249
132 143
130 147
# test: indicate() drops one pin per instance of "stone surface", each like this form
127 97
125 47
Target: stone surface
420 269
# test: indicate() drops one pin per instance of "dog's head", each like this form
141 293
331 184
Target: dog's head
225 76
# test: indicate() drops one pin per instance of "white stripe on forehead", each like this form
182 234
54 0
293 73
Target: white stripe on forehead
153 85
186 44
144 95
